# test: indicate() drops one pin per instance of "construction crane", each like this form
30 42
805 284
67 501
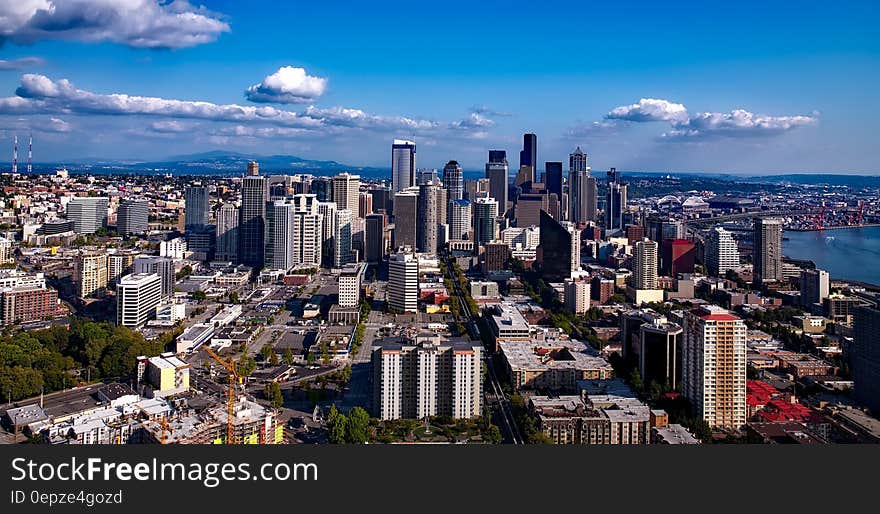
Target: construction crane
234 377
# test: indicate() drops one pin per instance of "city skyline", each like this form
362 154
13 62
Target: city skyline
670 92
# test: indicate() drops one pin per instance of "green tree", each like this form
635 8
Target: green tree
274 395
288 356
199 296
310 358
635 381
233 297
358 426
266 352
184 272
273 359
337 426
325 355
494 435
246 365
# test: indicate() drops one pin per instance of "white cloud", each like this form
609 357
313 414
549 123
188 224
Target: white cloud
473 120
57 125
169 127
488 111
20 63
135 23
592 129
650 109
288 85
737 123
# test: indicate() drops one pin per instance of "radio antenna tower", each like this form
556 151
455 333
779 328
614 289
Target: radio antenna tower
15 155
30 153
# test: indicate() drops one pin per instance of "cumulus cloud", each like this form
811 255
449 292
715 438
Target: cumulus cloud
737 123
488 111
169 127
288 85
57 125
473 121
650 109
135 23
40 94
22 63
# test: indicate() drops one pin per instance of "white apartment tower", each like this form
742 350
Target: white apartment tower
714 366
342 238
645 264
577 296
90 272
403 281
722 253
350 285
136 299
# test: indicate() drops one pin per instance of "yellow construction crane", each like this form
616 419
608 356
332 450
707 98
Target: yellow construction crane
234 377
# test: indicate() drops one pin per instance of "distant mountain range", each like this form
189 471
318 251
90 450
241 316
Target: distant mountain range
217 162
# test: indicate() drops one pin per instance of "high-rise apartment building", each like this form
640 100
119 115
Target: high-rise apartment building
346 188
342 238
88 213
426 231
252 228
280 244
722 253
119 264
161 266
427 377
90 270
227 233
815 287
577 296
403 165
453 181
498 173
714 366
485 220
137 296
645 264
403 281
767 238
459 220
350 285
132 216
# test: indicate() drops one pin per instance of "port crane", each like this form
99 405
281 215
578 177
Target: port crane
234 378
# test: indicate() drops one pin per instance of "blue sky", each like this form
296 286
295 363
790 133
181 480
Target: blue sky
790 87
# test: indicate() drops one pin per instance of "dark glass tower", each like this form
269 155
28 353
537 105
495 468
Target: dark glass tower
254 195
555 249
553 178
528 156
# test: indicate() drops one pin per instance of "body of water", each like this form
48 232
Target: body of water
850 253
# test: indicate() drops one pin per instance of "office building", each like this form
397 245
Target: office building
406 208
498 173
496 254
119 264
426 231
381 199
528 157
577 161
90 270
529 207
577 296
346 192
767 256
200 242
88 213
163 267
350 285
342 238
865 356
615 203
476 188
403 165
426 376
602 289
403 281
659 353
714 366
635 233
553 178
485 216
560 249
815 287
227 233
645 264
280 244
132 216
365 204
137 296
374 244
198 208
722 254
453 181
583 190
678 256
322 188
459 220
252 228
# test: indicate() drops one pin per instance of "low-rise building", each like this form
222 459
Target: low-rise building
556 366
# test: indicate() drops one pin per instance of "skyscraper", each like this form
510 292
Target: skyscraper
426 231
307 231
722 253
322 188
453 181
342 238
459 220
553 178
714 366
345 191
485 215
403 165
498 173
132 216
406 205
375 238
254 195
559 251
767 237
582 189
529 206
528 156
678 256
197 214
279 252
403 281
137 296
815 287
865 356
645 264
615 203
88 213
327 210
227 233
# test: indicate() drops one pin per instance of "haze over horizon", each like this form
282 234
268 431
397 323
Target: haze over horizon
688 88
